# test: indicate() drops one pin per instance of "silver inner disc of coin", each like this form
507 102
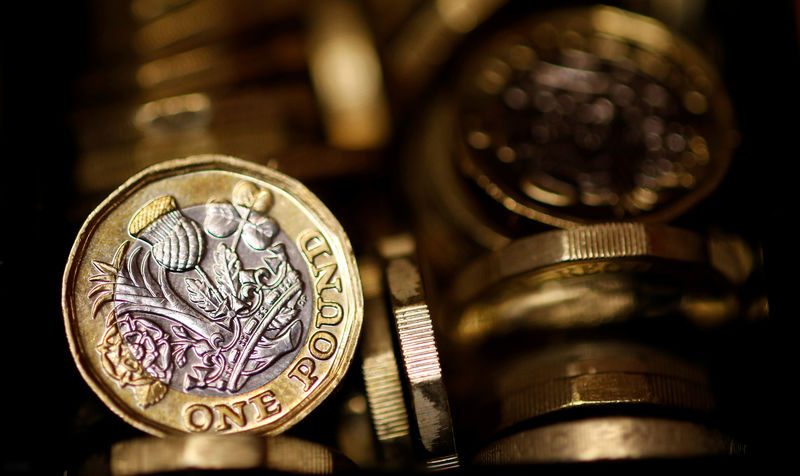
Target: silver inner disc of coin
214 300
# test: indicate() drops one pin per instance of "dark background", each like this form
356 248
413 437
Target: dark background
53 422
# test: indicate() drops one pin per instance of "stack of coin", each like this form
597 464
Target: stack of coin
296 85
594 275
607 126
558 404
625 280
213 296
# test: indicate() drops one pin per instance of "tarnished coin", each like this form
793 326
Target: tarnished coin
212 295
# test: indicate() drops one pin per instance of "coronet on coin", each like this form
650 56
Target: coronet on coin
212 295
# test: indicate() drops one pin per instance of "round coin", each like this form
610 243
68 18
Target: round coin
212 295
592 115
562 119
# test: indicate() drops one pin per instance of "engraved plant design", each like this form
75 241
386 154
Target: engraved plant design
220 332
117 359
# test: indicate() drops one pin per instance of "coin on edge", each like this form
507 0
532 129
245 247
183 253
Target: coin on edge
379 367
212 295
420 354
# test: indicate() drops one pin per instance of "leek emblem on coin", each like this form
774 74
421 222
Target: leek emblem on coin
214 312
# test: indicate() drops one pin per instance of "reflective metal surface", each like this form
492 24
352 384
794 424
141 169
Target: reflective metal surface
192 299
600 198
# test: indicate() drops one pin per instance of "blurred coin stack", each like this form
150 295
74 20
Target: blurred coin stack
295 85
548 173
546 157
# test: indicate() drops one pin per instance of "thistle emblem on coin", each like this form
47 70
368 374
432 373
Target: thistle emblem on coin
208 300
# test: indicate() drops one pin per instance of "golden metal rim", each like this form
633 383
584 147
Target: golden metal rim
498 292
591 243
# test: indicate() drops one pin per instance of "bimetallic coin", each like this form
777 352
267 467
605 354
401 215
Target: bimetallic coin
212 295
591 115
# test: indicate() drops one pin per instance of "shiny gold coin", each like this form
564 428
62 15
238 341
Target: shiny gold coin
420 353
592 275
212 295
382 382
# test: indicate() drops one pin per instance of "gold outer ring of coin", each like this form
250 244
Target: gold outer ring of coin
495 291
151 455
420 355
654 50
171 351
609 438
584 374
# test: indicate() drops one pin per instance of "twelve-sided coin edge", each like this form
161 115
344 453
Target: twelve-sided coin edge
340 249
